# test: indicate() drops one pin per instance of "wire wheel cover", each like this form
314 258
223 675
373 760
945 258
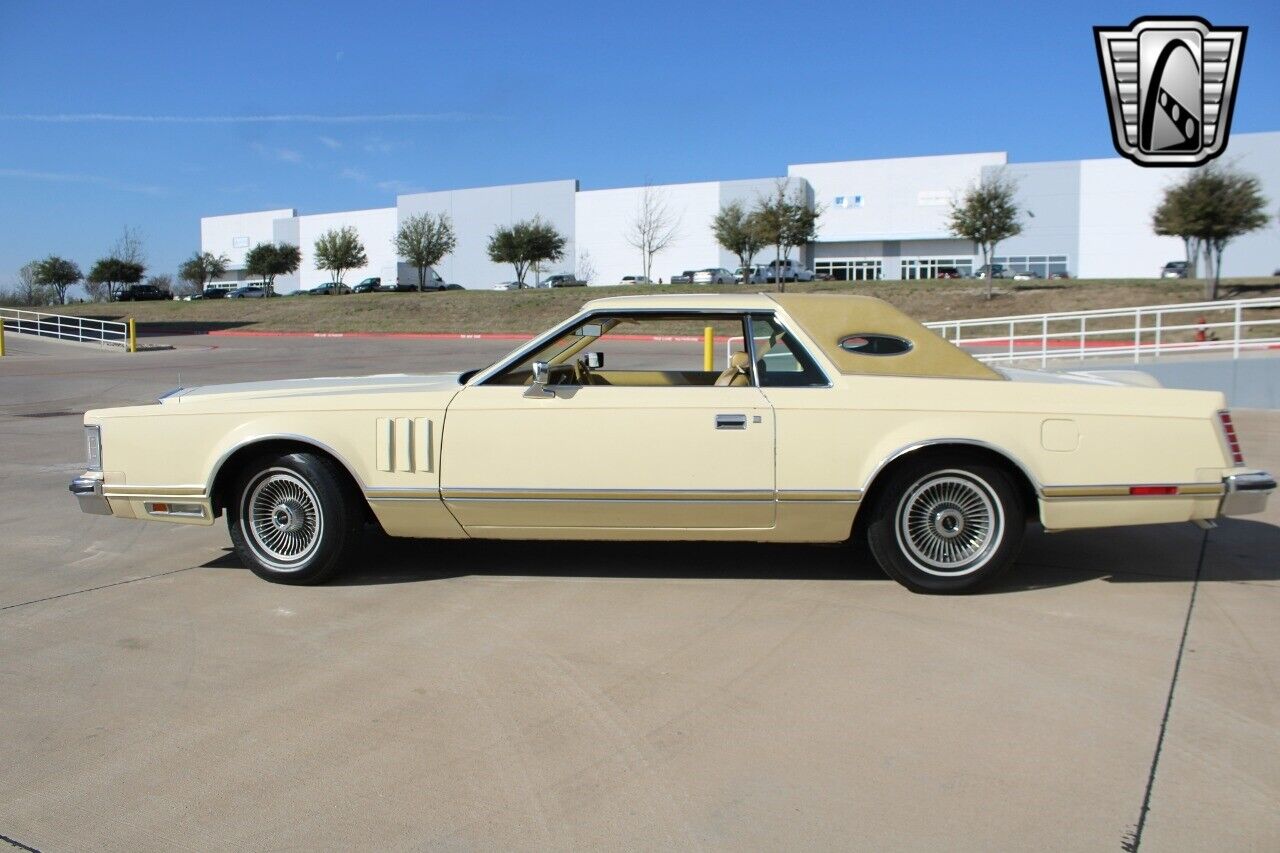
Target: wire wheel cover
281 513
949 523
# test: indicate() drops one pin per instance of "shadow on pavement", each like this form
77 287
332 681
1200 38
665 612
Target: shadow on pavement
1238 550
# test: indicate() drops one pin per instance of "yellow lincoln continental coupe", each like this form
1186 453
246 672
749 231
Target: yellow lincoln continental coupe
830 413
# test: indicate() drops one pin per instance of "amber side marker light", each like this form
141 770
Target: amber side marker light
1229 433
1153 490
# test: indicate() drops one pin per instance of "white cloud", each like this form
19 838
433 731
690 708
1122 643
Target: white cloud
284 155
329 142
378 145
277 118
354 175
395 186
71 178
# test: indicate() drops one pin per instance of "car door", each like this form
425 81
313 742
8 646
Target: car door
691 459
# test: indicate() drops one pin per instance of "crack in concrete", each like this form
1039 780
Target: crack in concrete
1133 839
93 589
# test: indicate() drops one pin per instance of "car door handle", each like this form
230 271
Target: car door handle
731 421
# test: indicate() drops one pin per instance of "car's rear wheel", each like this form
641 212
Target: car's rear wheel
292 518
940 527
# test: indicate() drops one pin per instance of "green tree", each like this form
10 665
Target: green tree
339 250
1212 206
202 268
424 240
113 274
57 274
529 242
739 232
785 222
987 214
269 260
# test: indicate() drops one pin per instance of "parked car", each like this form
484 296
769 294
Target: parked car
685 277
327 289
635 279
1175 269
788 270
950 272
369 285
563 280
997 271
141 293
713 275
1026 275
872 423
507 285
751 275
248 293
212 293
1059 275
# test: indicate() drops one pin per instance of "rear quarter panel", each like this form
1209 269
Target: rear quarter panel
840 437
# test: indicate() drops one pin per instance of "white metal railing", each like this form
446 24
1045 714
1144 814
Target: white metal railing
65 327
1149 331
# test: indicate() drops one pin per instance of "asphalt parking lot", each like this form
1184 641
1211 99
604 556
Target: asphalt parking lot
155 695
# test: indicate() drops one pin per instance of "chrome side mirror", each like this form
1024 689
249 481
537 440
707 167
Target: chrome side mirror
541 376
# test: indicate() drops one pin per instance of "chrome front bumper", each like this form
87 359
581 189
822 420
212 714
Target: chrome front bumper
1247 492
88 490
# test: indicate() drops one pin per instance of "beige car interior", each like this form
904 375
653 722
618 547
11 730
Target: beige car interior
567 361
737 373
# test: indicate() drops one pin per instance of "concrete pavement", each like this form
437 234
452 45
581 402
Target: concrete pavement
154 695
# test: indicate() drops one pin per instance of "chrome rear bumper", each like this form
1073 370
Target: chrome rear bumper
1247 492
88 491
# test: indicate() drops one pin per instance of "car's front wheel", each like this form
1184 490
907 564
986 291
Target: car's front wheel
939 527
292 518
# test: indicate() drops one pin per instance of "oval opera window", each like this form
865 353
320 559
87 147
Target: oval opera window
873 344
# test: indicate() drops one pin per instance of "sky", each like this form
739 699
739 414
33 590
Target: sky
151 115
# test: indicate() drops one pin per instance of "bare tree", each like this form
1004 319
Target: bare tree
654 226
29 289
586 268
129 247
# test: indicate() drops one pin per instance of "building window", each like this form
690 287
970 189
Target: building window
1044 265
930 267
850 269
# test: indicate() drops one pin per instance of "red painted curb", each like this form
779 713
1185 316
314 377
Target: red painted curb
440 336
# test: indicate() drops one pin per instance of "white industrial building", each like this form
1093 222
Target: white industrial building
882 220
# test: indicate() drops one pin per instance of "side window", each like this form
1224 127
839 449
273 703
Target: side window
781 361
642 350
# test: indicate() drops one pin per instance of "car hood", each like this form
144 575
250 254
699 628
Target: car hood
320 387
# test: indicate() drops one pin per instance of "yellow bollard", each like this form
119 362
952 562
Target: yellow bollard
133 335
708 349
1 338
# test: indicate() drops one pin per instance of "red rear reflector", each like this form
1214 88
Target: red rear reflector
1229 433
159 507
1153 490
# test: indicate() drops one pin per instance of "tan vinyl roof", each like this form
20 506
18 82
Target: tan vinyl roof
828 318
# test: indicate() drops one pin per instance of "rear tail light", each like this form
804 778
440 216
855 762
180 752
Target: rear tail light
1229 435
1153 490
